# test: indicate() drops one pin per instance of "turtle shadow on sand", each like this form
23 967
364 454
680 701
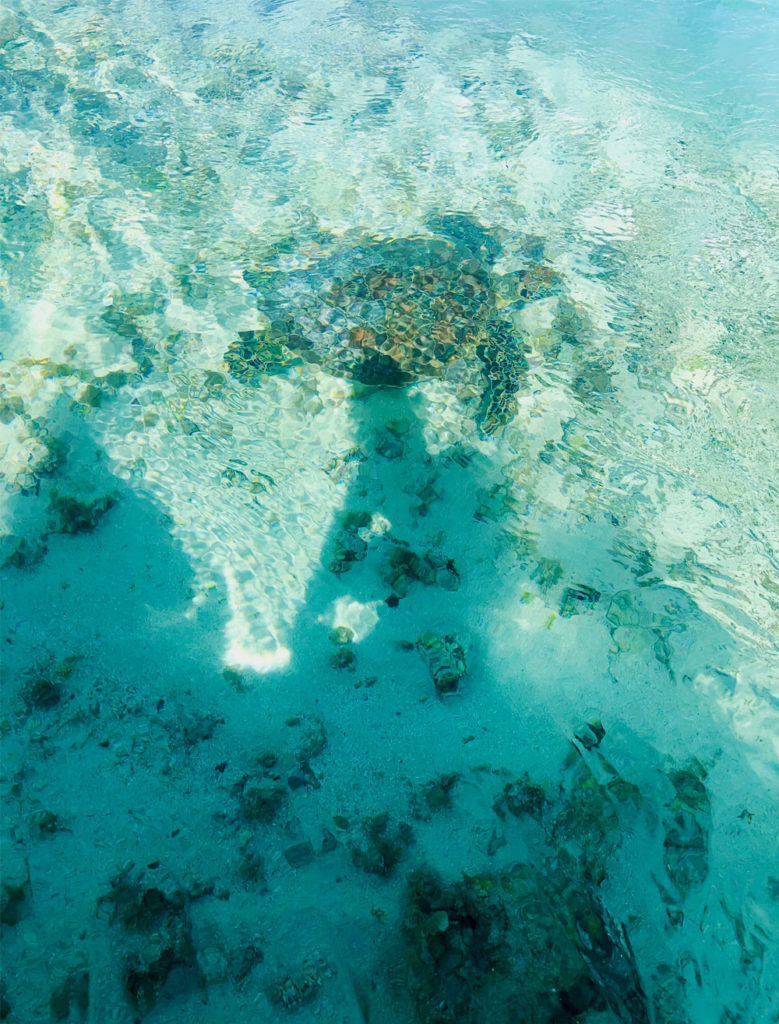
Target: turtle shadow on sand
393 536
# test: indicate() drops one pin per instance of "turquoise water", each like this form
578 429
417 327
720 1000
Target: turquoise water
389 524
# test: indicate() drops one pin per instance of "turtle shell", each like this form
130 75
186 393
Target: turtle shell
387 313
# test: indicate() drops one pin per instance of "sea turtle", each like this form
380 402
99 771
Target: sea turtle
390 312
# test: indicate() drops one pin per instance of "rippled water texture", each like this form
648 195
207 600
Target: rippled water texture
407 373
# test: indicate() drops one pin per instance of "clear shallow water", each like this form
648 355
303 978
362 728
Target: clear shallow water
714 58
613 543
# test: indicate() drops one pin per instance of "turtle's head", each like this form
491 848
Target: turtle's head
463 229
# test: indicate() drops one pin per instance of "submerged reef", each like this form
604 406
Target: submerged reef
532 940
445 659
157 934
519 919
380 846
508 946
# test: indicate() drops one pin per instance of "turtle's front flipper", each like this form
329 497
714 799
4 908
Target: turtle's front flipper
503 356
257 354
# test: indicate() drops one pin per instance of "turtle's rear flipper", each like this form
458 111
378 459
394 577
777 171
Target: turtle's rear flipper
505 366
